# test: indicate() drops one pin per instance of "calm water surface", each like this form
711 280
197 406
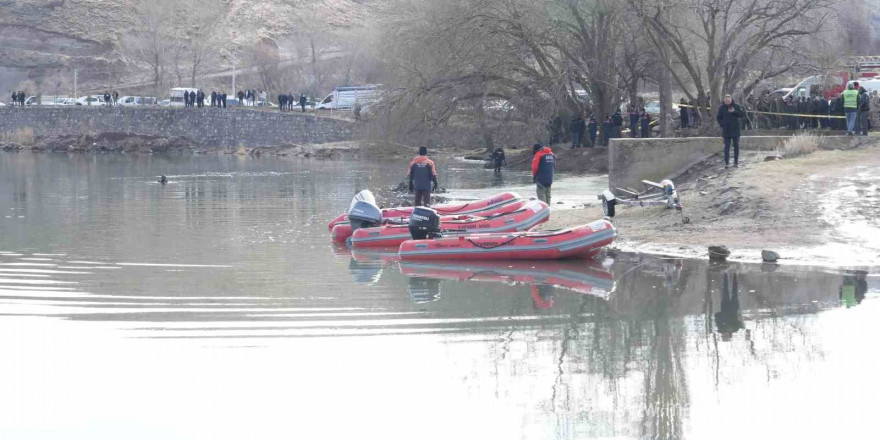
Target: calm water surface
215 308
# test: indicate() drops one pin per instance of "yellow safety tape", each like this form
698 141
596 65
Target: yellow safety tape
779 114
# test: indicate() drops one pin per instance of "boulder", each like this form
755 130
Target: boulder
718 253
769 256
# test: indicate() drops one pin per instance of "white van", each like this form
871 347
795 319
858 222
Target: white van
345 98
45 100
176 95
132 101
869 84
91 100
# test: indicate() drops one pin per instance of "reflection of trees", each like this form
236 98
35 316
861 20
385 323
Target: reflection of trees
665 384
618 348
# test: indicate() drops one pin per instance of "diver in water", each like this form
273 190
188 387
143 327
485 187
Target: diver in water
163 180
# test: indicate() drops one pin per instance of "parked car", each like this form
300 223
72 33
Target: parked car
45 100
2 104
69 101
344 98
131 101
165 103
91 100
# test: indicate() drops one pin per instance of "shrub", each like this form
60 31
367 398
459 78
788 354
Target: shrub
21 136
801 144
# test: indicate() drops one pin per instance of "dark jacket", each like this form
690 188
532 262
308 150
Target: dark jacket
864 100
422 173
543 165
578 125
729 121
617 119
498 156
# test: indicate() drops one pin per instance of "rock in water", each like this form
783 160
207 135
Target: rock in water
718 253
769 256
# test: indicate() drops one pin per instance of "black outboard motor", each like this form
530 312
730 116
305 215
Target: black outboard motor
363 212
424 223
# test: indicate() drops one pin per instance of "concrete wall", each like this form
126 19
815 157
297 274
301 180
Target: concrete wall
210 128
632 160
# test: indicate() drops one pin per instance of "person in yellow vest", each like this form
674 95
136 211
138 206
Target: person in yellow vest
851 108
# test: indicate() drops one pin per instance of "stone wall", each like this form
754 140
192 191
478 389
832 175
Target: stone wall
632 160
210 128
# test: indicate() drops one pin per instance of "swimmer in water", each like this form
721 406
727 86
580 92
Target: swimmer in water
163 180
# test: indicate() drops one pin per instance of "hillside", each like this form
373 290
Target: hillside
45 37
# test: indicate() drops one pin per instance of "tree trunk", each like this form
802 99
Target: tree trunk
665 103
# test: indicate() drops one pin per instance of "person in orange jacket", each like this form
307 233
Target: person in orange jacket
422 174
543 165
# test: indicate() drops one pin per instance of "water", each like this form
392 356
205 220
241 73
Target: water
214 307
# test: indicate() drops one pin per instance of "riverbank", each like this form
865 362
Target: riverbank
133 143
815 209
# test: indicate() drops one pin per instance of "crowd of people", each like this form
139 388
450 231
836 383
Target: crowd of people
612 126
18 98
771 111
290 101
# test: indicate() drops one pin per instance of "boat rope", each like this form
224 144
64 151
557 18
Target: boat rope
486 246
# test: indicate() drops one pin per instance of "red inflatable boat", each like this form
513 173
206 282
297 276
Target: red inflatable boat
342 230
477 207
587 277
530 215
578 242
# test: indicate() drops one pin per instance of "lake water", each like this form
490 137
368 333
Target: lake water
214 307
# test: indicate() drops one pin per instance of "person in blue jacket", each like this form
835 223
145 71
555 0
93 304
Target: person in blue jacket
646 124
543 165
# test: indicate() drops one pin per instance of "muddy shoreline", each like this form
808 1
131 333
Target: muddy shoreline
818 209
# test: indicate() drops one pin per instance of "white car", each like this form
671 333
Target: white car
91 100
2 104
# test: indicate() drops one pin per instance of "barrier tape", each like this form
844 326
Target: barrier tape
780 114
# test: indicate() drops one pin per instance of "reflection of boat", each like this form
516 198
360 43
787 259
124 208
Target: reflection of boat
477 206
587 277
342 230
578 242
524 219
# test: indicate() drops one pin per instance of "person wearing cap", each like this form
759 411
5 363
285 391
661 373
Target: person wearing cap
422 174
728 118
851 108
543 165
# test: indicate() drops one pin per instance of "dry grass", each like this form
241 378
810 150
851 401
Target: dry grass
801 144
21 136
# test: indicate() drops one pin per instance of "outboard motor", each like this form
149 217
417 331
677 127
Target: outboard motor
424 223
363 212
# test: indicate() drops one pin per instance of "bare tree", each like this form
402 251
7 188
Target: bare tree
712 47
204 19
152 42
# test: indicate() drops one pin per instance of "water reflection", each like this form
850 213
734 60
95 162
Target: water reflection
229 269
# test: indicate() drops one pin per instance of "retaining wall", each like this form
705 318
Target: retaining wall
210 128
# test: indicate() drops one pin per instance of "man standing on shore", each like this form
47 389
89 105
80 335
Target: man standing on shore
499 159
864 108
728 118
577 128
592 129
851 108
302 101
543 165
422 174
